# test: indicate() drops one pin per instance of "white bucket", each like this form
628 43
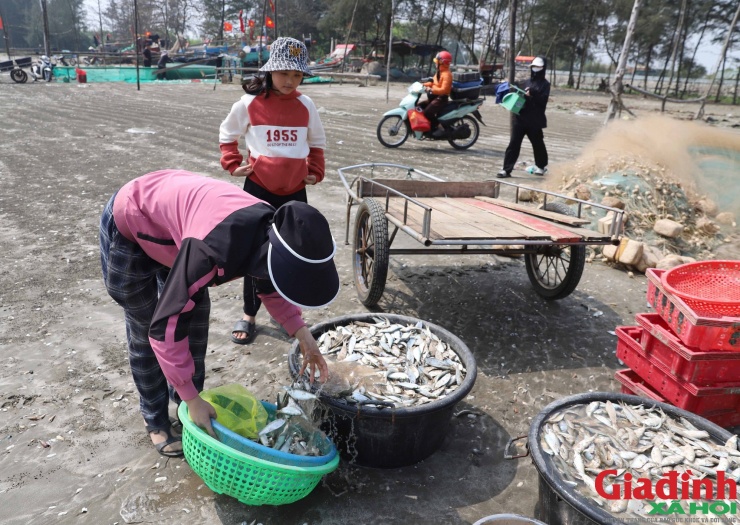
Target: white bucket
508 519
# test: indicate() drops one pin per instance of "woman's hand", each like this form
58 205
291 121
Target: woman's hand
312 358
201 412
243 171
310 179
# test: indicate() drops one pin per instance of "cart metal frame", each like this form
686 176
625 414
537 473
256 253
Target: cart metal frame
551 237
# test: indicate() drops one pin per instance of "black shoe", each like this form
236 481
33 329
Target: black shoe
503 174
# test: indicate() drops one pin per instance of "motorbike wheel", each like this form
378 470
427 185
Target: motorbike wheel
474 132
19 76
393 131
71 61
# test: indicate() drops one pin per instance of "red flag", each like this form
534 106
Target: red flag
228 26
1 24
269 22
272 6
251 23
241 21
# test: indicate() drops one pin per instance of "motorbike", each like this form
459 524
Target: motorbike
459 118
42 69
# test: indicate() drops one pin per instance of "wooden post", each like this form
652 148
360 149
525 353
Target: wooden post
390 47
616 87
45 17
5 34
512 57
136 43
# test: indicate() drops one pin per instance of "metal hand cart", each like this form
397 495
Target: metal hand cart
15 68
466 218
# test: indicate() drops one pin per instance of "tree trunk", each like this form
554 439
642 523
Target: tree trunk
616 87
648 60
584 53
721 59
693 55
676 40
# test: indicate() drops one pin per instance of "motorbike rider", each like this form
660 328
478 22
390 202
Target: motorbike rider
530 121
438 90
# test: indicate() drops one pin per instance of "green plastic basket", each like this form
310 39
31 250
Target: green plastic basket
251 480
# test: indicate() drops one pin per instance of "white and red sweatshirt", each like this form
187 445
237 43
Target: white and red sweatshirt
284 137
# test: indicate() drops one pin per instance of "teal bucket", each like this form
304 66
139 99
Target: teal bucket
514 102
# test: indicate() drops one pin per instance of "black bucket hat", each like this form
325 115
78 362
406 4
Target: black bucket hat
300 256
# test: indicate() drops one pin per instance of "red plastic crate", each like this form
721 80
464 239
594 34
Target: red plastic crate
696 332
709 288
633 384
661 345
697 399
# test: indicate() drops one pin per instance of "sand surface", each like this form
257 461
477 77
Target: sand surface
72 443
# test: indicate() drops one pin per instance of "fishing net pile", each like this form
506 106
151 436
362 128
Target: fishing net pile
676 181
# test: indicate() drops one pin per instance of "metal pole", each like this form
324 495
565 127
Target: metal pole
390 47
100 19
512 58
136 43
45 16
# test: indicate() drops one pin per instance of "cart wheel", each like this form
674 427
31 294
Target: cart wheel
371 251
554 271
393 131
474 132
19 76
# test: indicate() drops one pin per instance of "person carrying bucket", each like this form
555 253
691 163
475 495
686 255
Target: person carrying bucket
530 121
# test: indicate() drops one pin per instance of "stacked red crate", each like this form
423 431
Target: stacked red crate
688 352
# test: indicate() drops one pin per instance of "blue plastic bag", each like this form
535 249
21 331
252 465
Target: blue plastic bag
501 91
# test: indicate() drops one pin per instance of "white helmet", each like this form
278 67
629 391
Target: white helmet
44 58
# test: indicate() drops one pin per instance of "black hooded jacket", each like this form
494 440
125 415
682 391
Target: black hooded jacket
533 112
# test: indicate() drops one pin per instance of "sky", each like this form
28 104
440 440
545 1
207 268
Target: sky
707 55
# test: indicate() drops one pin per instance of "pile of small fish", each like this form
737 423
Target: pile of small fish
585 440
412 365
292 431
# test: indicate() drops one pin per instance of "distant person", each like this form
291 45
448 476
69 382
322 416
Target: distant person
285 143
147 55
168 236
164 59
530 122
438 90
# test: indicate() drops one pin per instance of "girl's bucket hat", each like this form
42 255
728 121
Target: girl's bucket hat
288 54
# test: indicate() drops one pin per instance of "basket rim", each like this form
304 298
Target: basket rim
693 267
201 435
248 443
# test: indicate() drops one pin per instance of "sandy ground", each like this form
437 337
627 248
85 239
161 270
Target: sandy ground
64 377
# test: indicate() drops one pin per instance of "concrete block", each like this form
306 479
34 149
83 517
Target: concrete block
668 228
610 252
632 253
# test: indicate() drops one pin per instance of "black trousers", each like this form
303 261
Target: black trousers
434 106
535 136
253 286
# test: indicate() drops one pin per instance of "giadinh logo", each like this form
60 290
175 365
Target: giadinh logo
704 495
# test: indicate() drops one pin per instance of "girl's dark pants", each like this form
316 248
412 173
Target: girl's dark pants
536 137
253 286
134 280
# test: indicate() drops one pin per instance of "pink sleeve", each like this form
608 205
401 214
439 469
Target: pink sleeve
288 315
177 365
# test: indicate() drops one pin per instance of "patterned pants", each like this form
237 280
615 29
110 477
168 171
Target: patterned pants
134 281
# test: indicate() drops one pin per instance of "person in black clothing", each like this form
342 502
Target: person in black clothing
530 122
147 56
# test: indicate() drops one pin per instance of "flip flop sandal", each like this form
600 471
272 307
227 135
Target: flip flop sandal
244 327
176 425
169 441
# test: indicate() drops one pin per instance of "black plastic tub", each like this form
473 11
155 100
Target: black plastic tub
373 435
560 504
